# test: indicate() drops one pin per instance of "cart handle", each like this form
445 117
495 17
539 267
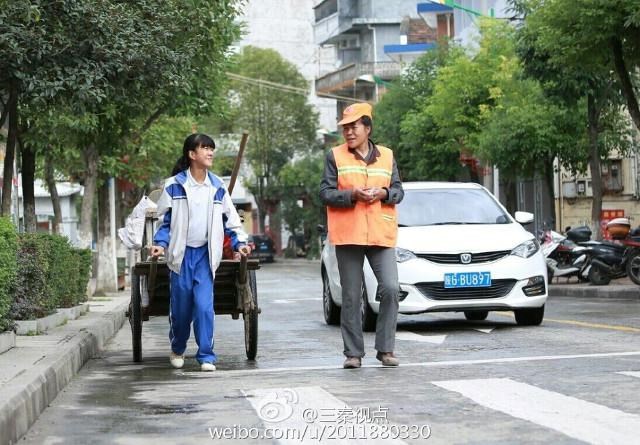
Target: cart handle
242 271
151 282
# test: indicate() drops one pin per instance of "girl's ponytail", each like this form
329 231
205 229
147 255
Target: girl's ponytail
181 165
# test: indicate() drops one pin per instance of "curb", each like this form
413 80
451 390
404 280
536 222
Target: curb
31 392
626 292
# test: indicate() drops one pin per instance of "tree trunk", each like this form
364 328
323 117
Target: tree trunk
28 180
625 81
510 196
548 179
85 231
10 151
593 113
53 191
106 280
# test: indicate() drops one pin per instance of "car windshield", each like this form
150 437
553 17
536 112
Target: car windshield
449 206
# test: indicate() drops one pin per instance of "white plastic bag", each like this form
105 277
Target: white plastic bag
133 231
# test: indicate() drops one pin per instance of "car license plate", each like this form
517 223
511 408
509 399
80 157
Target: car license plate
467 279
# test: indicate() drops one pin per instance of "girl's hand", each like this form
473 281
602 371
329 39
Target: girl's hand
244 250
156 251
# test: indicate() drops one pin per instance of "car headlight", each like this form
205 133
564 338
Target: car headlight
403 255
526 249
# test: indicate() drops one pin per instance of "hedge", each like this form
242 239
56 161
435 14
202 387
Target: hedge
8 267
32 296
51 273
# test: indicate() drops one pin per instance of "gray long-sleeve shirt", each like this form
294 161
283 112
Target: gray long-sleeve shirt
331 196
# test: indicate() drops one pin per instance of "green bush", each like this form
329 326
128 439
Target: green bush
8 269
32 294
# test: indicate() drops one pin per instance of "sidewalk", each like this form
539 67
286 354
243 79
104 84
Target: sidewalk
622 288
39 367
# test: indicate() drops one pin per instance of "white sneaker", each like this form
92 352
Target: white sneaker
207 367
177 361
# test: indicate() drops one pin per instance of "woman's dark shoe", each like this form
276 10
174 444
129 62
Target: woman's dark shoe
388 358
352 363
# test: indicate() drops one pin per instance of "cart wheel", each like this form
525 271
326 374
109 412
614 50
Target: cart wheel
251 320
135 318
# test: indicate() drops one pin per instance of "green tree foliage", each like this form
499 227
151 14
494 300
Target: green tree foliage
301 206
557 52
420 152
281 123
590 35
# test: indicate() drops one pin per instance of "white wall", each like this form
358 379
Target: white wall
287 27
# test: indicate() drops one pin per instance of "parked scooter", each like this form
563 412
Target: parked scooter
564 257
618 258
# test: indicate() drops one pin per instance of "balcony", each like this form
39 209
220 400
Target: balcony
344 78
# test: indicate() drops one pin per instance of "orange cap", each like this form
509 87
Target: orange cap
354 112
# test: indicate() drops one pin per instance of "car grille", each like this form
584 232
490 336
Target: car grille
437 291
454 258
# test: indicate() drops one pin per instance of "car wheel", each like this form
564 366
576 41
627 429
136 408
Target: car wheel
476 315
529 316
598 277
369 318
330 309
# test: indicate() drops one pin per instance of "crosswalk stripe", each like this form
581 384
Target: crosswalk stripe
631 373
579 419
310 415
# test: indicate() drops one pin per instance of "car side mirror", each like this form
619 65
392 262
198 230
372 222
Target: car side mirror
524 217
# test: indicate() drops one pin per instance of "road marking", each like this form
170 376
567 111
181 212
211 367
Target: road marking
486 331
411 336
293 300
311 415
579 419
583 324
430 364
631 373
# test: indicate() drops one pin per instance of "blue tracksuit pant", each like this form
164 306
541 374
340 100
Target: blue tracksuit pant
192 299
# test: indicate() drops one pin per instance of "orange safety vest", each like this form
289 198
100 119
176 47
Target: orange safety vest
365 224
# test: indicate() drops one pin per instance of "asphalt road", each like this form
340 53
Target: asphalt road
574 379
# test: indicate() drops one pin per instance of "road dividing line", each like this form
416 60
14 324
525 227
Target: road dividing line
579 419
631 373
311 415
486 331
433 364
411 336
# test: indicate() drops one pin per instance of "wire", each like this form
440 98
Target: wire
290 88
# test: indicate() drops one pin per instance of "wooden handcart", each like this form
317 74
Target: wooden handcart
234 289
235 293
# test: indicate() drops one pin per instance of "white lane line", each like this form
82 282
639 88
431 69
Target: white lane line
338 365
411 336
631 373
293 300
486 331
579 419
311 415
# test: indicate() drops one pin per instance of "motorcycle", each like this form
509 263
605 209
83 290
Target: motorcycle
617 258
564 257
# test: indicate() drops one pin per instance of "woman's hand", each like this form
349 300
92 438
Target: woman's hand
244 250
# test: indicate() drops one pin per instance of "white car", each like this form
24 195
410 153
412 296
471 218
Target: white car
458 250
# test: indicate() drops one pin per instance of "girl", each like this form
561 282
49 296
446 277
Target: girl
196 212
